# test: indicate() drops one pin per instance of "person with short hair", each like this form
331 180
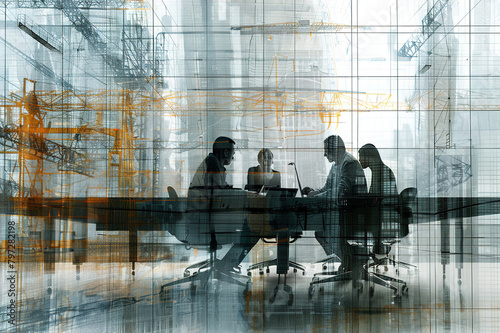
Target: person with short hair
211 173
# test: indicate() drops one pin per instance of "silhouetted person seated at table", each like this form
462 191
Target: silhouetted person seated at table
345 181
383 186
210 196
263 174
206 192
211 174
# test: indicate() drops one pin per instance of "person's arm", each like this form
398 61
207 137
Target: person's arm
251 177
328 189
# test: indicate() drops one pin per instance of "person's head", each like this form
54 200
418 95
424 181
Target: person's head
265 159
334 148
223 148
368 156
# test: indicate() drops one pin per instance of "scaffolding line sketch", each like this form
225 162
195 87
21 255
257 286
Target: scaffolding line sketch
249 166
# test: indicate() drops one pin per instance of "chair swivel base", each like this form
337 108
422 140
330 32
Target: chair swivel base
204 273
274 262
365 275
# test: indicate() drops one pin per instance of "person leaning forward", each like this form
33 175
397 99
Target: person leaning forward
345 181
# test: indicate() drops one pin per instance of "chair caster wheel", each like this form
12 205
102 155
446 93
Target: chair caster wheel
261 272
324 267
304 273
295 270
249 273
268 270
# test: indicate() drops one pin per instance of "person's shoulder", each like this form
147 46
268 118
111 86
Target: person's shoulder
212 162
351 161
348 158
210 157
253 169
275 171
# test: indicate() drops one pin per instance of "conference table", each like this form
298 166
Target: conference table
280 214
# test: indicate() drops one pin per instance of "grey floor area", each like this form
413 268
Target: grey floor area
454 288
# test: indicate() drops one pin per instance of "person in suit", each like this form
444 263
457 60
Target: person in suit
345 181
263 174
209 193
211 174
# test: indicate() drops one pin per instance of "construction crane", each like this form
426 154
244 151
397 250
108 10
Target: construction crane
134 73
134 69
39 67
422 34
28 137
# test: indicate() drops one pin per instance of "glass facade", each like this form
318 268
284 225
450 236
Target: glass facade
109 107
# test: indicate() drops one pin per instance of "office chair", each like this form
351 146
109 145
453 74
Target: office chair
360 255
202 271
274 262
407 200
356 273
281 219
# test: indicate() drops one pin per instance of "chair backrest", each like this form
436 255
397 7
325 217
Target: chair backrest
172 194
408 195
407 199
176 225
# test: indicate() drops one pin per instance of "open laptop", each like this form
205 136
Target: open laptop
280 192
